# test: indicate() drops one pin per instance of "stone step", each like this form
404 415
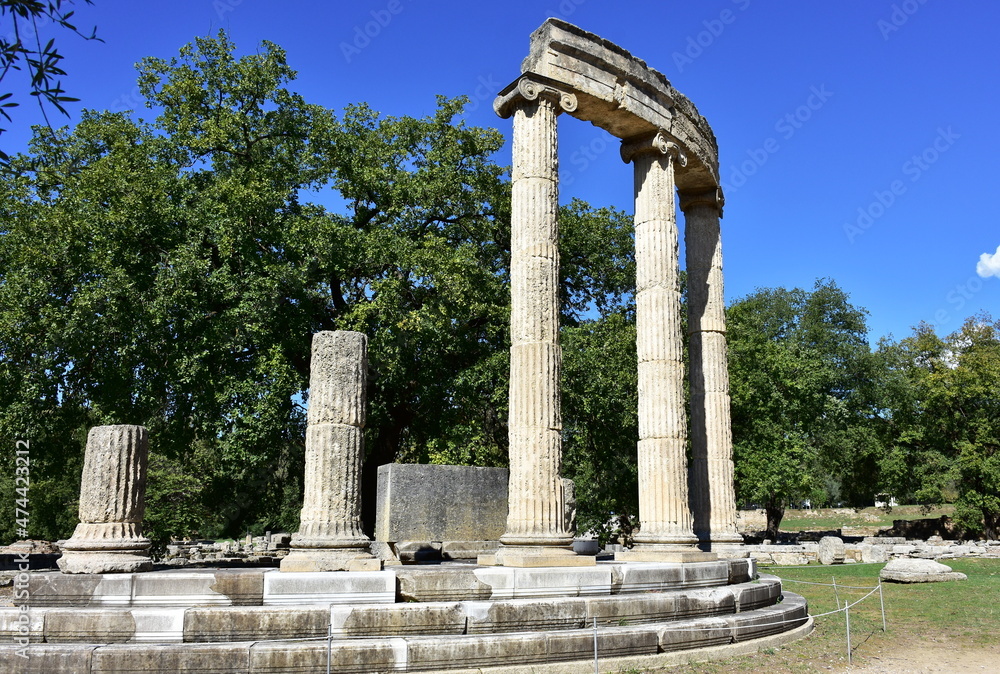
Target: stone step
439 582
237 623
409 653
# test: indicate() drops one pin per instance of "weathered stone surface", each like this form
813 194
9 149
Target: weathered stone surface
873 554
249 623
431 503
831 550
354 655
918 571
109 537
713 494
329 587
330 537
535 522
398 620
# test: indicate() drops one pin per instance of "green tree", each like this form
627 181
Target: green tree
803 386
171 273
945 430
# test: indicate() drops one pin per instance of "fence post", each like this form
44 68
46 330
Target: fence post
596 667
881 602
329 646
847 614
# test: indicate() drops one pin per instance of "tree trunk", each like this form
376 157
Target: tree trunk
775 511
383 451
991 525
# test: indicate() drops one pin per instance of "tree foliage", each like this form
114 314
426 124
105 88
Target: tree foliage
945 430
803 387
171 273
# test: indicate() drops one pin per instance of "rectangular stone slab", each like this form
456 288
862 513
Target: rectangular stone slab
418 502
329 587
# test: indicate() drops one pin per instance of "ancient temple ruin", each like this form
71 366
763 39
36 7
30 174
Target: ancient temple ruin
673 151
344 612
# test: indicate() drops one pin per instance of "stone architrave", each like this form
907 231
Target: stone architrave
536 532
330 535
109 537
664 511
713 495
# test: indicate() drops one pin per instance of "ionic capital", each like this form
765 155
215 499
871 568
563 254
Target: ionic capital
659 142
530 87
712 197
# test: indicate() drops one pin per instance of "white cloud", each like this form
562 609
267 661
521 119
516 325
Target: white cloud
989 265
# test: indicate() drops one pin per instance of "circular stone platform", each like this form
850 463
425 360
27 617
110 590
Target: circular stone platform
450 616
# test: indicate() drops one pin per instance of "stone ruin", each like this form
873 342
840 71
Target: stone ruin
534 600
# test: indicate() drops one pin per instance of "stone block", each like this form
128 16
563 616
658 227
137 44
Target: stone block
329 587
397 620
440 503
742 570
355 655
434 583
525 616
918 571
520 583
55 589
18 624
789 558
417 551
249 623
670 557
47 659
706 574
647 577
611 643
89 626
831 550
763 622
451 550
686 634
221 587
873 554
220 658
704 602
755 595
476 651
633 609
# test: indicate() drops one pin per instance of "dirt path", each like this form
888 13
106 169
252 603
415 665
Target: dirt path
907 658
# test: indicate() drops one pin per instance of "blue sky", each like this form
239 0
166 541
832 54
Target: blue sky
858 140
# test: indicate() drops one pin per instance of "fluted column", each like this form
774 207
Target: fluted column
664 511
109 537
536 529
330 536
713 495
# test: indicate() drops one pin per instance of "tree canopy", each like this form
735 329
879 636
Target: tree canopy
171 273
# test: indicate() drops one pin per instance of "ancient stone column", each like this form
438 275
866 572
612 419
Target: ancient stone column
109 537
330 536
713 496
536 532
664 510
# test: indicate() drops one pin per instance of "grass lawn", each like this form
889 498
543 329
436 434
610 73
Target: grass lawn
945 618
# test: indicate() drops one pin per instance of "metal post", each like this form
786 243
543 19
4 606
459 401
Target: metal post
329 646
847 613
881 602
596 668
